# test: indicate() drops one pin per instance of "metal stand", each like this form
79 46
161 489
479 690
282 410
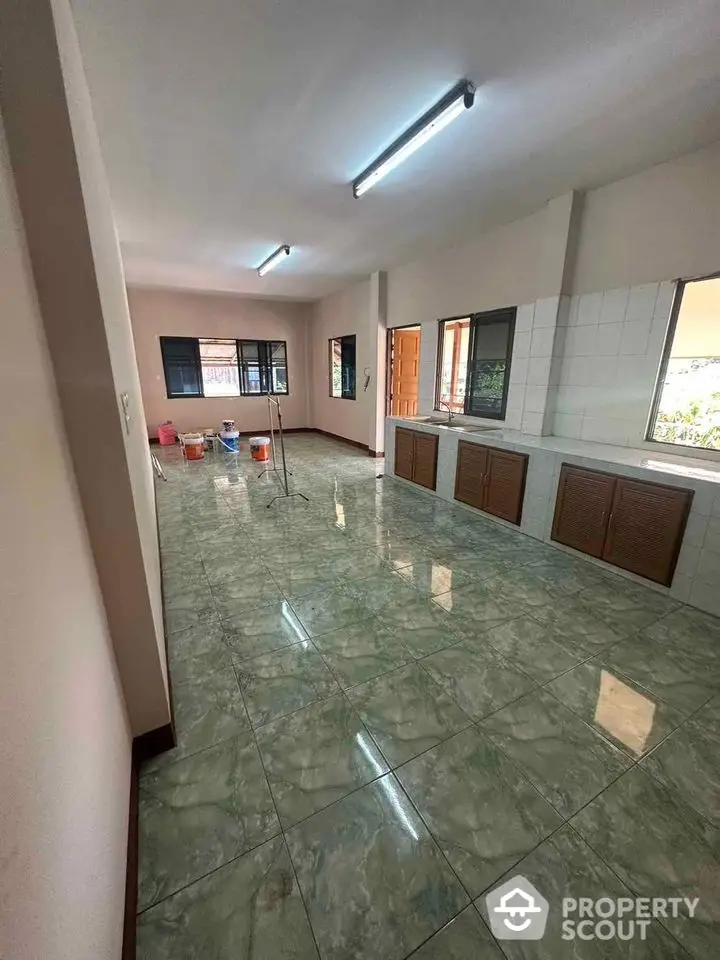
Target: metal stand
157 467
283 477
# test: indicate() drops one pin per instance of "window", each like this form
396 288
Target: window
223 368
474 363
219 365
686 408
263 366
342 367
181 362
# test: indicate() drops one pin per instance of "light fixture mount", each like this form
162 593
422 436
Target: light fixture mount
273 260
447 109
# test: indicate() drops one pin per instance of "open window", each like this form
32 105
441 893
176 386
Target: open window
342 367
474 363
686 407
219 364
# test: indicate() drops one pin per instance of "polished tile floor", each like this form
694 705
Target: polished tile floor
386 705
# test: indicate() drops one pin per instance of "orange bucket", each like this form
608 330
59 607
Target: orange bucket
260 448
193 446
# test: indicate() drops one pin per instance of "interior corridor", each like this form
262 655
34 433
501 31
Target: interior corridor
386 704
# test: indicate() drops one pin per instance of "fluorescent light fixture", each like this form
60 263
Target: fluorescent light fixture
459 99
273 260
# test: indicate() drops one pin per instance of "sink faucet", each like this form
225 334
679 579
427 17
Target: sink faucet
451 412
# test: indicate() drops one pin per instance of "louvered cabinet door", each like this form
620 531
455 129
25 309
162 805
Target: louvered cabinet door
646 527
425 459
582 509
505 484
470 473
404 452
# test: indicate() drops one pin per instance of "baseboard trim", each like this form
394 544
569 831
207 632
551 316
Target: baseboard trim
144 747
336 436
378 454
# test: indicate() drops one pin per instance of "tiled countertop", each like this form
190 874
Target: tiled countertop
691 468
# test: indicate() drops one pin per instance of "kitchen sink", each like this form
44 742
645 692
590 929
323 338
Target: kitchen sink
457 427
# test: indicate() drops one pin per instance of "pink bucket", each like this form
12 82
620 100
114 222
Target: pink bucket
167 434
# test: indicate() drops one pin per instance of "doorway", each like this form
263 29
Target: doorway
403 371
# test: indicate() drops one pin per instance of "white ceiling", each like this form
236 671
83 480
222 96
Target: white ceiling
232 126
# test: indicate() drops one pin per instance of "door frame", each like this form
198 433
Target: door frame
388 360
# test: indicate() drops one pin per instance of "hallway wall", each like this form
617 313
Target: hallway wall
65 742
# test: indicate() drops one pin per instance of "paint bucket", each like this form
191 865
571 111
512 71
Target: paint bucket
230 440
193 446
260 448
167 434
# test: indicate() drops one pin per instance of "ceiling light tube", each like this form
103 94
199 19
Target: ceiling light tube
452 105
273 260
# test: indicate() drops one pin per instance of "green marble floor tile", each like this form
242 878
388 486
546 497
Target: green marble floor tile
663 673
477 677
520 587
362 651
208 706
195 640
476 607
250 909
192 606
406 712
564 576
231 567
326 610
483 814
380 591
253 590
374 882
688 763
563 866
692 638
566 760
575 627
659 846
317 756
421 625
626 605
531 647
199 813
628 715
276 684
262 630
464 938
431 578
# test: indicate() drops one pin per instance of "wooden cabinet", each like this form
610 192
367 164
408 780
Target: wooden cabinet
490 479
632 524
416 456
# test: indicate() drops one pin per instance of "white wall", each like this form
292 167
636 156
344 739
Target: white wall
65 743
157 313
339 315
611 359
661 224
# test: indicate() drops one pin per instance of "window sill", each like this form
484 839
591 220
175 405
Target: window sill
680 450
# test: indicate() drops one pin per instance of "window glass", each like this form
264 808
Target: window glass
219 363
687 402
342 367
181 364
474 363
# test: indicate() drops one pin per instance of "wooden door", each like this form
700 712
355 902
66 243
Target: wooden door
582 509
425 459
646 527
505 484
470 473
404 452
405 374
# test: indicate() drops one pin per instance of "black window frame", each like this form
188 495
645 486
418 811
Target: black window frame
265 362
348 374
506 315
166 345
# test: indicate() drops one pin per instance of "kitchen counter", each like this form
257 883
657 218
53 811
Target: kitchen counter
697 574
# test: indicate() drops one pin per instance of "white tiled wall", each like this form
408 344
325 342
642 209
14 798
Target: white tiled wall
613 346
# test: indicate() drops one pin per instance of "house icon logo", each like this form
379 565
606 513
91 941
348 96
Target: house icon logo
517 911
